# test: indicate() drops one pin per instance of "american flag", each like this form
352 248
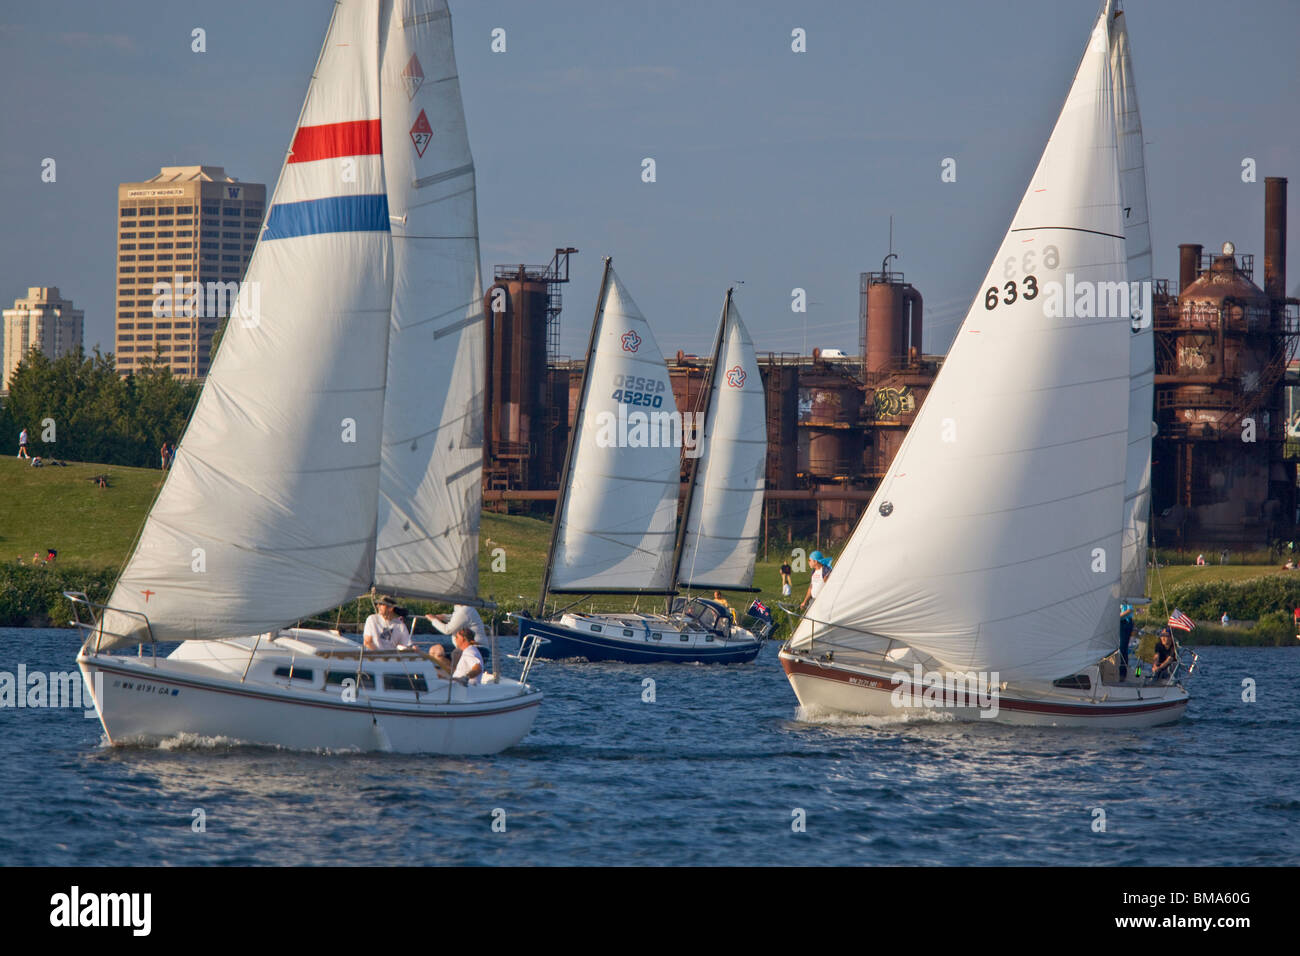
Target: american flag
1181 621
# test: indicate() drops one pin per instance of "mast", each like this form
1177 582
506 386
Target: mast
563 495
699 435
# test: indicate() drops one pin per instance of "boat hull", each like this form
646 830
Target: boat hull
822 686
565 642
141 701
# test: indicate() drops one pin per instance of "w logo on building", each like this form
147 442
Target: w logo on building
736 377
631 341
232 192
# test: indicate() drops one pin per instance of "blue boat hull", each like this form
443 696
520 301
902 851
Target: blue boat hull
564 642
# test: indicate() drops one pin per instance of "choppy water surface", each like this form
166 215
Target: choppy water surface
710 773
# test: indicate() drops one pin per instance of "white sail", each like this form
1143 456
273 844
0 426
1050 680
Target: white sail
993 543
619 518
1137 234
430 483
727 504
268 512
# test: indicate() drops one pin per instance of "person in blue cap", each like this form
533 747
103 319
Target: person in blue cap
821 571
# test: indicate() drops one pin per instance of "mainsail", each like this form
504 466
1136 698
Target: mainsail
726 505
273 509
616 525
1137 234
430 481
993 542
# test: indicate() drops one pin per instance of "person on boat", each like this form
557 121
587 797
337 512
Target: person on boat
1125 633
821 572
717 596
1163 661
466 665
385 631
462 615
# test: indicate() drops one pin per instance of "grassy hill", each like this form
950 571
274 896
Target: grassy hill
62 508
93 529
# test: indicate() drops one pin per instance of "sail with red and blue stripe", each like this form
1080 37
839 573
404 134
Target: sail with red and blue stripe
275 487
319 160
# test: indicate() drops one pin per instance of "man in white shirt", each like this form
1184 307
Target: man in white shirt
385 631
462 615
468 662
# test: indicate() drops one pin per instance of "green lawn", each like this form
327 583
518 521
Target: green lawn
62 508
1178 573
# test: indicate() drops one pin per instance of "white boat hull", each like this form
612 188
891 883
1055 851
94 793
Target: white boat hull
836 687
141 700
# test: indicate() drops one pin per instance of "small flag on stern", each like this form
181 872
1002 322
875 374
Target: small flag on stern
1181 621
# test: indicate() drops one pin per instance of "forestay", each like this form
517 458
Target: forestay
1137 234
430 482
727 504
269 510
619 518
993 543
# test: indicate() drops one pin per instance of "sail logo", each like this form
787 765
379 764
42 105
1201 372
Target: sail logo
736 377
631 341
412 77
49 689
1084 299
74 909
639 429
929 689
421 134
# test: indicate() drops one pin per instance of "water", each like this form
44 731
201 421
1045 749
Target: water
711 773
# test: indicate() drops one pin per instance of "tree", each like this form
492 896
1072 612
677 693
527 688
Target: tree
93 414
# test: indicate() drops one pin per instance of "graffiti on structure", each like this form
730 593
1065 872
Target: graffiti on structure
889 402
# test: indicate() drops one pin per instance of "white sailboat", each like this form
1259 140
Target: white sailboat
337 443
616 528
985 577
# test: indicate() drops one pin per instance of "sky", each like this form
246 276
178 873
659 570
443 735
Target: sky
773 168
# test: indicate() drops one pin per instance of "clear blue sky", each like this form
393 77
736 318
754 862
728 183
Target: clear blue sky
777 168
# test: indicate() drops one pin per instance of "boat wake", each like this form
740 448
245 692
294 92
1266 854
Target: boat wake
813 714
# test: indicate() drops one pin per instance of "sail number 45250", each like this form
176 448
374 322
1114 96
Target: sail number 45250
1010 292
638 390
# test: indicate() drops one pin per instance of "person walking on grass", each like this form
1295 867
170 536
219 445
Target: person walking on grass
22 444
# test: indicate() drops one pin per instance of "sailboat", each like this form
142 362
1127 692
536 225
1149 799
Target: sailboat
336 446
984 579
616 528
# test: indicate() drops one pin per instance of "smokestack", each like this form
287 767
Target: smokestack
1189 260
1275 237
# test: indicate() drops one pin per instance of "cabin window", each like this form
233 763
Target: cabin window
596 628
338 677
406 682
626 632
1074 682
685 636
657 635
708 637
297 673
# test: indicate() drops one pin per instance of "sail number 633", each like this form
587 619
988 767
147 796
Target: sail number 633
1010 292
